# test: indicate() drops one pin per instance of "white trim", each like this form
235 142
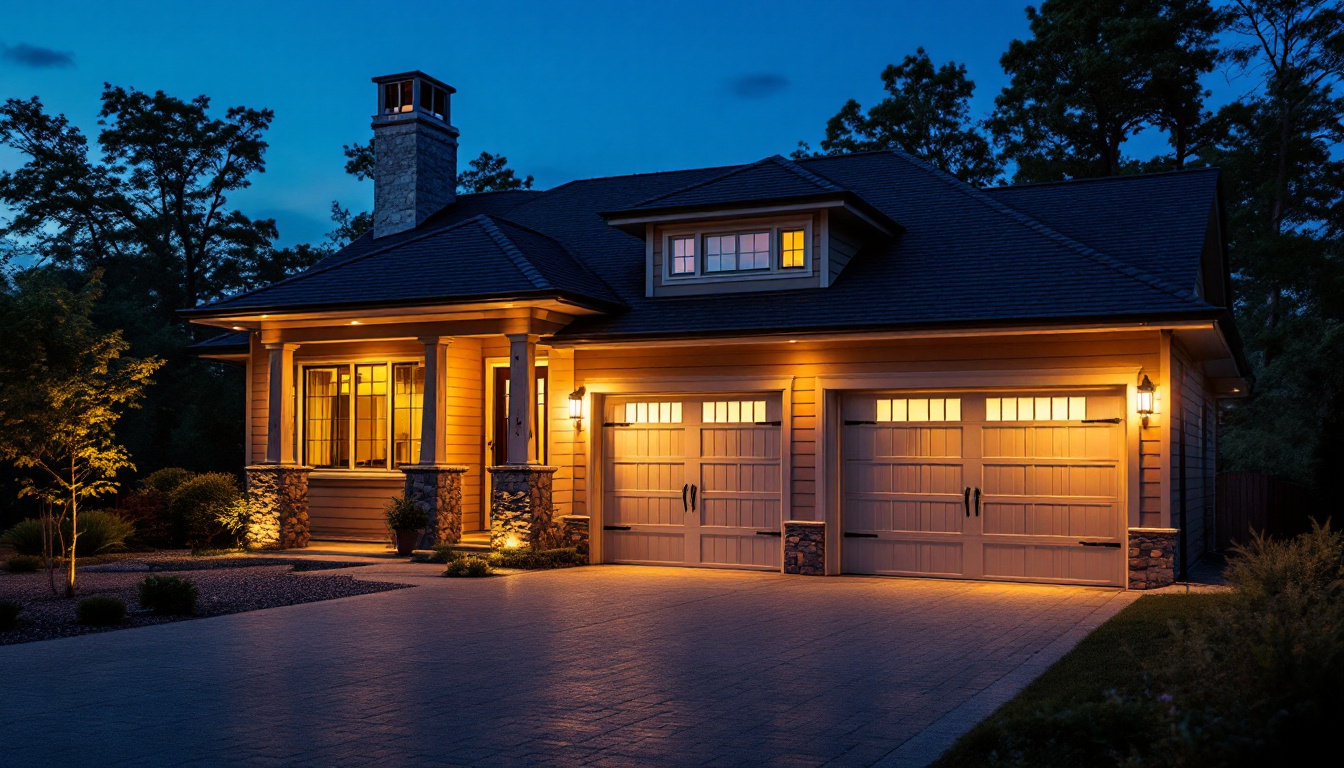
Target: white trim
301 422
698 233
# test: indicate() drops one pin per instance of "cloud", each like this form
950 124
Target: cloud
758 86
35 56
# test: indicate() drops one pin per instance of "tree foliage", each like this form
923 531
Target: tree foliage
490 173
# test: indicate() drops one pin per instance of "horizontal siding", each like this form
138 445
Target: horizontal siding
1192 435
350 508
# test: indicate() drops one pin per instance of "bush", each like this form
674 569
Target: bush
166 480
535 560
99 531
199 505
9 614
470 567
23 564
168 595
154 525
405 515
100 611
25 537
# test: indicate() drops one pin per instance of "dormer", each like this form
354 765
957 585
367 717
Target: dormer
767 226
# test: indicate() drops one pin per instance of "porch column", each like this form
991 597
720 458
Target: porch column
277 491
522 398
432 484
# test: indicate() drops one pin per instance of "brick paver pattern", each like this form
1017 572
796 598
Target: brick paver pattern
608 666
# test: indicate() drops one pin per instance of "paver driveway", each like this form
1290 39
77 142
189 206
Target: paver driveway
604 665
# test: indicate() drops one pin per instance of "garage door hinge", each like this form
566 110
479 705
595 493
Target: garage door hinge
768 423
849 535
1111 544
1101 421
615 527
853 423
768 533
616 424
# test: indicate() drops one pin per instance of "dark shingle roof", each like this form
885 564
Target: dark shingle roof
1125 248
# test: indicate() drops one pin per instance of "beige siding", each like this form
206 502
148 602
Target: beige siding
350 507
1193 435
466 423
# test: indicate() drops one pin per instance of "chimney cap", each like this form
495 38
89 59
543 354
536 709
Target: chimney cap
414 74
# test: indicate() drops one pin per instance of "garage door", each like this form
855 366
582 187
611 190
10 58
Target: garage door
692 481
1021 486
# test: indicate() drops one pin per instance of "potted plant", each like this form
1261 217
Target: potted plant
406 521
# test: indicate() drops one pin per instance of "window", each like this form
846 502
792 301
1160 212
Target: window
734 253
651 413
919 409
1035 408
791 249
332 393
397 97
733 412
434 100
683 255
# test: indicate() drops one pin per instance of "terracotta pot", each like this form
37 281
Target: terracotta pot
406 541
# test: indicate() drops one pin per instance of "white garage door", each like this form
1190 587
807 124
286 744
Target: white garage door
692 481
1021 486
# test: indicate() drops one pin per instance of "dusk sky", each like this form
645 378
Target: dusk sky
566 90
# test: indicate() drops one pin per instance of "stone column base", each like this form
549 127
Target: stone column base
805 547
1152 557
520 507
278 497
574 533
437 490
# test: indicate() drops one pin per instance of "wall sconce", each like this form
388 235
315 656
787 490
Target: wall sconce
576 406
1146 392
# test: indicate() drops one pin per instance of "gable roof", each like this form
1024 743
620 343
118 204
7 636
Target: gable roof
963 256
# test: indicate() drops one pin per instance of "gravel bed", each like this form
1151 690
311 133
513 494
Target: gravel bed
246 586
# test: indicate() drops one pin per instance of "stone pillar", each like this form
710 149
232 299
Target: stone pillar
438 492
278 497
434 404
522 399
574 533
805 547
280 405
1152 557
520 507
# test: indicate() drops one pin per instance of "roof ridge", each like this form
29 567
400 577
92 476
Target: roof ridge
1113 177
798 170
511 250
1130 271
779 160
580 263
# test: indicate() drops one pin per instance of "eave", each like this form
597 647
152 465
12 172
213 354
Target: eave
634 220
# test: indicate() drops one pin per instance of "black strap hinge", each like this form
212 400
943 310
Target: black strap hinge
615 527
849 535
1110 544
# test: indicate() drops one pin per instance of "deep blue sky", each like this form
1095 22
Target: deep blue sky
565 89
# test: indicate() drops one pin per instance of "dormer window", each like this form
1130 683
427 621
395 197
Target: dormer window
738 251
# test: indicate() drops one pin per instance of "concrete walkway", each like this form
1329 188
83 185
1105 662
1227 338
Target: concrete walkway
608 666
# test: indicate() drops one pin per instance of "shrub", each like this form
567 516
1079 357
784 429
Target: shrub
99 531
405 515
1267 568
25 537
100 611
23 564
534 560
9 614
166 480
168 595
199 504
154 525
470 567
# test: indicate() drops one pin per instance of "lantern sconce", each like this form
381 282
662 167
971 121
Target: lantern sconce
576 407
1146 393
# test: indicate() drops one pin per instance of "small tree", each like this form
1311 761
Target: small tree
63 386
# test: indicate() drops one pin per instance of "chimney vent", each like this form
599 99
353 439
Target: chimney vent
415 151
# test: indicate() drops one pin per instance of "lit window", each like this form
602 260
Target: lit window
333 393
398 97
371 415
733 412
683 255
326 409
919 409
1035 408
652 413
408 393
791 251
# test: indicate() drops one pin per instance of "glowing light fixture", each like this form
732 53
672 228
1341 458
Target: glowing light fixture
1146 391
241 328
576 406
511 542
793 341
354 322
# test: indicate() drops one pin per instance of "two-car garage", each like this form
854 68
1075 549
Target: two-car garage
1010 485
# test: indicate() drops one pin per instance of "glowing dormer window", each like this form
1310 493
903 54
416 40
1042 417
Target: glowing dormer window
737 252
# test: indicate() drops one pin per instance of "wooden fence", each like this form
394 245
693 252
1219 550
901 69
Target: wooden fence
1260 502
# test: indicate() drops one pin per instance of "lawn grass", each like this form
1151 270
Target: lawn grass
1111 658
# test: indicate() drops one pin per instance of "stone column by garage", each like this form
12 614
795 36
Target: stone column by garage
521 509
574 532
1152 557
437 491
805 547
278 497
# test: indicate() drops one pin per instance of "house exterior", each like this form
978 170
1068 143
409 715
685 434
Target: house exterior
851 364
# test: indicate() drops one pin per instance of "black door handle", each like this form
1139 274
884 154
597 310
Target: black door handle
693 488
977 502
684 506
966 500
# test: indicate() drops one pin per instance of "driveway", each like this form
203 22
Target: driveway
608 666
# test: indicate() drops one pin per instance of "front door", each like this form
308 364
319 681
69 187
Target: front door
1012 486
499 429
693 480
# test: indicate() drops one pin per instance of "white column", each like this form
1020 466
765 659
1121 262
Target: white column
280 405
522 397
434 404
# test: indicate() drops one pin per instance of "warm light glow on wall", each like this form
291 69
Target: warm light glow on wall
576 406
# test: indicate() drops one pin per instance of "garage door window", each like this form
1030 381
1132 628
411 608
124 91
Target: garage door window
919 409
734 412
1035 408
653 413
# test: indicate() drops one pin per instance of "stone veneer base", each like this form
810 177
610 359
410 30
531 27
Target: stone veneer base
437 491
805 547
278 497
574 532
1152 557
520 507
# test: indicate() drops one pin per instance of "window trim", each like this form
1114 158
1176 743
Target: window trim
301 416
776 271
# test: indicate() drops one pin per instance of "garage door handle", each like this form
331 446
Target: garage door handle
693 498
849 535
966 500
685 507
977 502
767 533
1102 421
1110 544
615 527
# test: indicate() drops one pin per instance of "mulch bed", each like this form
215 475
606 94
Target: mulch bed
226 585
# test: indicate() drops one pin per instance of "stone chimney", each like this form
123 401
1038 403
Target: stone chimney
415 151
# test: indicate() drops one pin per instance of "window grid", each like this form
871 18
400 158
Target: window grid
327 414
792 251
653 413
733 412
683 255
408 393
903 409
1035 408
371 415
